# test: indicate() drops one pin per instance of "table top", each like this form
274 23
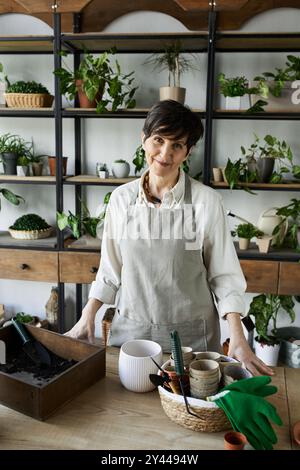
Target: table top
106 416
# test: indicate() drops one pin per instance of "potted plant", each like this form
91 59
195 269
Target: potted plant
120 169
172 60
265 308
52 165
36 161
102 170
233 89
30 227
11 148
83 223
245 232
276 87
30 94
98 83
291 214
23 166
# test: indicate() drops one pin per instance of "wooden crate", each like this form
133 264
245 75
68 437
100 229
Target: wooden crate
41 401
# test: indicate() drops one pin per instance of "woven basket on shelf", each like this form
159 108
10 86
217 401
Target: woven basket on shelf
28 100
30 234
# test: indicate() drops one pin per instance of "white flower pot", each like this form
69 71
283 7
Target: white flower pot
22 170
267 353
244 243
233 103
120 170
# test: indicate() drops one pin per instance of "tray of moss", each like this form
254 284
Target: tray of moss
30 227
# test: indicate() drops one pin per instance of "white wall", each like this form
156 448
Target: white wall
100 142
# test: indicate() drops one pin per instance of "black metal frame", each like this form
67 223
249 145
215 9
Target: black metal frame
63 41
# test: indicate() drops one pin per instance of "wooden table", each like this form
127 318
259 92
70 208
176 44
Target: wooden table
106 416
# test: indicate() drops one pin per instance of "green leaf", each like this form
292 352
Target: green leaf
11 197
62 220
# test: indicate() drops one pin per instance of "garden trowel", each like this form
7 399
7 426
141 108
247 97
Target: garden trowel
34 349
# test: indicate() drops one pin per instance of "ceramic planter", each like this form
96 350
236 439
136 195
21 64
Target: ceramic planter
52 165
9 161
217 174
120 170
265 167
37 168
233 103
175 93
267 353
22 170
264 243
244 243
84 102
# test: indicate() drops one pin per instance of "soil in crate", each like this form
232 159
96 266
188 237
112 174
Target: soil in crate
19 365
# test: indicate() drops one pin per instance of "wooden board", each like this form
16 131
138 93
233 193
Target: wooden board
28 265
96 179
261 276
78 267
289 279
45 6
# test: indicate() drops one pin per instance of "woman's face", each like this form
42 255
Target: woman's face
164 155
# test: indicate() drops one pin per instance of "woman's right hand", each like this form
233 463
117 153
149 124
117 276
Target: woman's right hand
85 327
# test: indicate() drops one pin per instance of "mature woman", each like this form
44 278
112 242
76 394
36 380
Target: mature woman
167 251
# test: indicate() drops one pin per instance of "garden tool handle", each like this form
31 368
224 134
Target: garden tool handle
21 330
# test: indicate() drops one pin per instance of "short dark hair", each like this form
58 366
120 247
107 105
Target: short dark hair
170 118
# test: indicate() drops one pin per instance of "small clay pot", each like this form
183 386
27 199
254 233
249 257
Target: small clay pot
84 102
52 165
234 441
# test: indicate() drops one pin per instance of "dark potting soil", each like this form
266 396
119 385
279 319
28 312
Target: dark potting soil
20 364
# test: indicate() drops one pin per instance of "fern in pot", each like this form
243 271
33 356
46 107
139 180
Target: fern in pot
265 309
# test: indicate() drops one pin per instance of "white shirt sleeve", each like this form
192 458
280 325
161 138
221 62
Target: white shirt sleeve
224 273
108 278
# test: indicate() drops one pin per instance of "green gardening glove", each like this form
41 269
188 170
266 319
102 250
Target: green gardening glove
254 386
250 415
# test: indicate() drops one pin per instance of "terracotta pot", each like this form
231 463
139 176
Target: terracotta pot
37 168
234 440
84 102
52 165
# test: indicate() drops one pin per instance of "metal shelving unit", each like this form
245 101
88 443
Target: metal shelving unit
210 42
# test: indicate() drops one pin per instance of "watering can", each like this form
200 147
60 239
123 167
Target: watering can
268 220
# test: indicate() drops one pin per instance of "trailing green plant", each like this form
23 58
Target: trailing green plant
237 172
82 222
22 86
247 231
11 197
139 160
29 222
282 75
23 317
290 212
98 75
265 308
172 60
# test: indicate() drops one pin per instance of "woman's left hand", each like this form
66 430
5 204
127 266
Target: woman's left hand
241 351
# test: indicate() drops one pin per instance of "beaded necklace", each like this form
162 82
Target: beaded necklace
150 197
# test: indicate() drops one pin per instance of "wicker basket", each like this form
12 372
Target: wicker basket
211 417
30 234
28 100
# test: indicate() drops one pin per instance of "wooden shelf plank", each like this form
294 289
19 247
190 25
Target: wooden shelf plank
27 179
289 186
39 44
92 179
237 41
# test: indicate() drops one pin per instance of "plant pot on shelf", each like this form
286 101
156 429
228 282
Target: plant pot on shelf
217 175
244 243
175 93
120 169
28 100
265 167
22 170
52 165
268 353
37 168
84 102
233 103
264 243
9 161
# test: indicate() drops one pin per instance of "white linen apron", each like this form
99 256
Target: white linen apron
163 284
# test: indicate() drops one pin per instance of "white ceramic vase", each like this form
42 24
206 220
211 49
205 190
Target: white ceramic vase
135 364
120 170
